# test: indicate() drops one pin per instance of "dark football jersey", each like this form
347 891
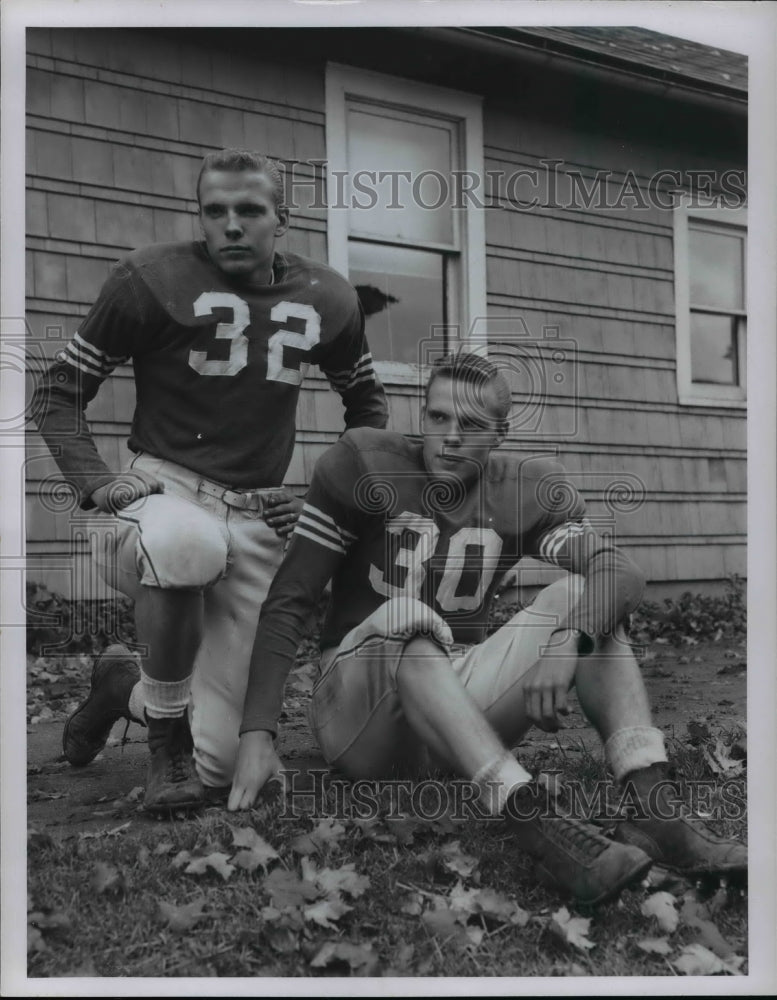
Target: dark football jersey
217 365
379 526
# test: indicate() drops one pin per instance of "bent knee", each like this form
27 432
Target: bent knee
180 546
421 654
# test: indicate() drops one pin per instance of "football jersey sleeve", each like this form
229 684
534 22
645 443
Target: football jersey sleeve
349 368
105 339
565 537
327 528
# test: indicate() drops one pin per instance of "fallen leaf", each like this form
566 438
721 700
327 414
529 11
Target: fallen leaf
282 939
304 844
35 940
413 905
488 902
360 958
217 862
696 960
257 851
720 761
118 829
571 930
455 860
40 796
404 829
450 927
50 921
107 879
333 881
696 915
656 946
328 832
661 906
401 959
286 889
325 912
182 918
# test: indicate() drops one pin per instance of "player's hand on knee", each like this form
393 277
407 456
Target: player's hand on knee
257 763
546 690
124 489
405 617
283 511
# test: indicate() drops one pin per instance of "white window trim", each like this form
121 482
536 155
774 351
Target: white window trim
346 81
693 393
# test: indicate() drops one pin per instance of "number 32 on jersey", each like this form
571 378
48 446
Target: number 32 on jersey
237 359
414 559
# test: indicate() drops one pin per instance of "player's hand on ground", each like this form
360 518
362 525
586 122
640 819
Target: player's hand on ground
405 617
257 763
546 686
125 489
283 510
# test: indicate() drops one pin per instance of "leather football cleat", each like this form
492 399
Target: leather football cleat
86 732
172 781
665 828
570 854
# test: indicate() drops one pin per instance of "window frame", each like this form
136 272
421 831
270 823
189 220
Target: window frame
466 293
692 393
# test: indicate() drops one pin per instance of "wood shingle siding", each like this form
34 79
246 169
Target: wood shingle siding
118 122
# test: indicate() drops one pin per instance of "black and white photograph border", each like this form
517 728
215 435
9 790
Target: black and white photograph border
747 28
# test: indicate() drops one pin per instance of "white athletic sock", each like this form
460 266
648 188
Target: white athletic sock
497 779
164 699
137 703
637 746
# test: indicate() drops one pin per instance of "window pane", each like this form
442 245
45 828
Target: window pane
402 293
717 269
380 142
714 355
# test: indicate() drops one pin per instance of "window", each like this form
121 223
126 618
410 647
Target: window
710 296
405 209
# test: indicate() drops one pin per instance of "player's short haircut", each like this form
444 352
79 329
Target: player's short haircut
245 159
478 373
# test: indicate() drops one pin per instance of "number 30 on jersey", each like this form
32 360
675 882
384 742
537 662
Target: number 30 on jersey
237 359
414 559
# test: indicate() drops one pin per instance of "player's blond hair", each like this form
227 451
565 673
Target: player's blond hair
476 372
245 159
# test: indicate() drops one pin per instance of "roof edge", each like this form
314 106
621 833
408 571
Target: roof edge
547 50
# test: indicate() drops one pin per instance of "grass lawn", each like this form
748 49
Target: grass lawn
317 885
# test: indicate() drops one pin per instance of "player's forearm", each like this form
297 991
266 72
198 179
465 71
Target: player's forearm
283 623
366 406
60 419
613 589
277 639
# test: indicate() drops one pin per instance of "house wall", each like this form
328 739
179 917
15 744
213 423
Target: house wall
118 122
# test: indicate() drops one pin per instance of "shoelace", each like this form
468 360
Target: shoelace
178 768
574 834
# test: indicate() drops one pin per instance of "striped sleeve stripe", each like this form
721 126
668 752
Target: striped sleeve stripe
327 521
320 527
95 352
553 542
300 530
362 371
86 358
